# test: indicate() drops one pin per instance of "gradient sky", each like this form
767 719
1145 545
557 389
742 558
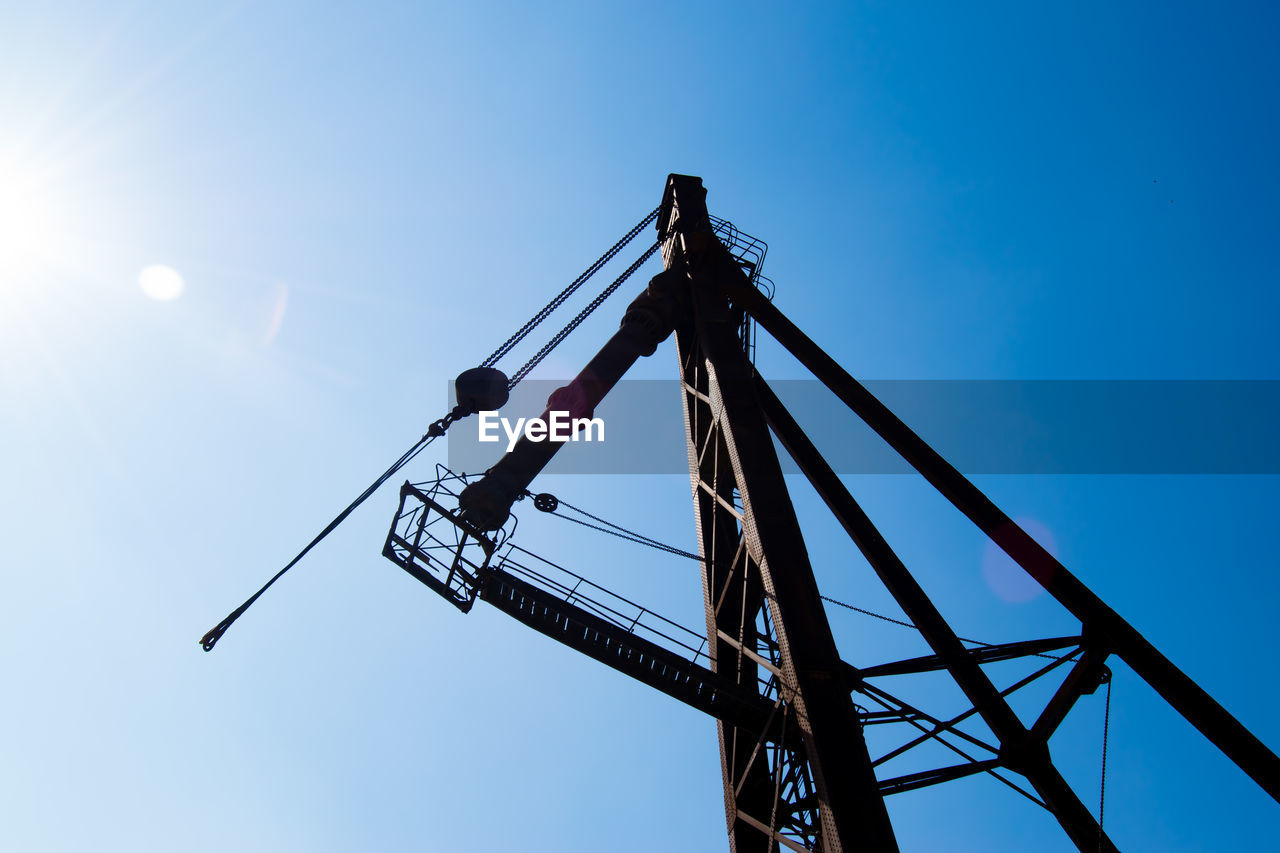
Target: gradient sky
361 200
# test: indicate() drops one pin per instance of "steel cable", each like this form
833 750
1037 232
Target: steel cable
211 637
1102 787
559 299
438 428
577 321
629 535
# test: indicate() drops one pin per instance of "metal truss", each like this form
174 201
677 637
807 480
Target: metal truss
796 766
756 562
768 787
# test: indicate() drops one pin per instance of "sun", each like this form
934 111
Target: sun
28 218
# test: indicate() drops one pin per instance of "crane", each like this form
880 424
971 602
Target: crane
792 714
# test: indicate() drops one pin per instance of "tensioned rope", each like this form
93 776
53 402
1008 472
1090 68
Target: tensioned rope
550 504
1102 787
605 526
440 426
545 499
437 429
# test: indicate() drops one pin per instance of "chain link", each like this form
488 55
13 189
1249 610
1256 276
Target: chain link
577 321
441 425
560 298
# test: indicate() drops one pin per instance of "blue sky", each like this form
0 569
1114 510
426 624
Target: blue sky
364 199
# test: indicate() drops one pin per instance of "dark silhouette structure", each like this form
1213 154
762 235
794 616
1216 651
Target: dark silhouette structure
792 715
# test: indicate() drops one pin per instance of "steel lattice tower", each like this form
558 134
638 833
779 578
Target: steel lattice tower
795 763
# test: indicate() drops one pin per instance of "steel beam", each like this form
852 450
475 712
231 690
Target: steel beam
1019 751
734 599
486 503
981 655
1102 624
850 806
631 655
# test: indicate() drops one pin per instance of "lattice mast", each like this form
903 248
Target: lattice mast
813 783
796 768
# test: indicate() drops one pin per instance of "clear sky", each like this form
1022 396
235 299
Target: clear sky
349 204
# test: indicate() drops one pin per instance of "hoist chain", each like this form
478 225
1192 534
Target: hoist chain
1106 730
577 321
440 426
560 298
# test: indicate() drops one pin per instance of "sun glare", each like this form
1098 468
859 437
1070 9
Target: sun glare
28 229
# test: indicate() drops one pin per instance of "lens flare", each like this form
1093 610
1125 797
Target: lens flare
162 283
1006 578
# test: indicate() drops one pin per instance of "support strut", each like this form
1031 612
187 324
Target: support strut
851 814
1103 625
